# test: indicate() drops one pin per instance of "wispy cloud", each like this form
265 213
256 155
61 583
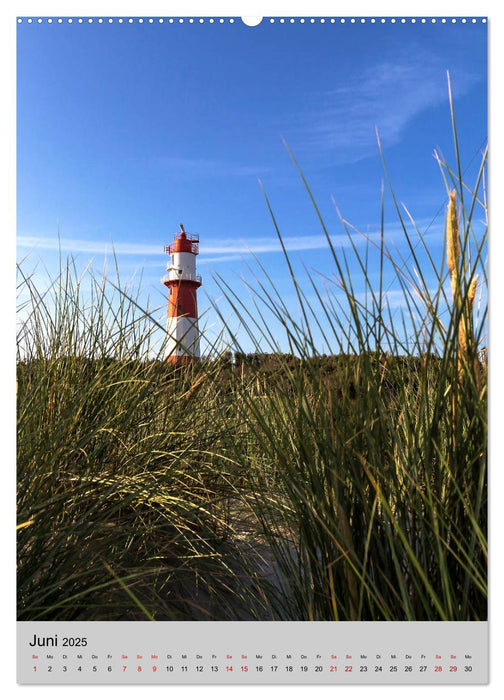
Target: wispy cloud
217 250
224 247
78 245
386 96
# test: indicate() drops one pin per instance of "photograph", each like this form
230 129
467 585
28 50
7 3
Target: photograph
252 327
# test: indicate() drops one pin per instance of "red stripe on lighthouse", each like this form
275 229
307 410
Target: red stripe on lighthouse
182 299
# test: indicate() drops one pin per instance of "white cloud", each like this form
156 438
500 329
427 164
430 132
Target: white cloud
76 245
218 250
385 96
225 247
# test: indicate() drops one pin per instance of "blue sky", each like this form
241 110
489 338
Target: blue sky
125 130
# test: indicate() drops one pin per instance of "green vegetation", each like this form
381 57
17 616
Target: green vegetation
263 486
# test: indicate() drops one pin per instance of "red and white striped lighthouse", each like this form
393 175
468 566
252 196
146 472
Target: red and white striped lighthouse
182 282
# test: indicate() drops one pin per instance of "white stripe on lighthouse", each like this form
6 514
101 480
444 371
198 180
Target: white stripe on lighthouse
183 337
182 266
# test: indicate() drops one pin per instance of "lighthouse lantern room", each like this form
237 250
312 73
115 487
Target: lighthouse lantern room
182 282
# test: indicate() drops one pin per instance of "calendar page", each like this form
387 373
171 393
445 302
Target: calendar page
252 349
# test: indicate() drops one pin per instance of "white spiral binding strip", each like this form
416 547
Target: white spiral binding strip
271 20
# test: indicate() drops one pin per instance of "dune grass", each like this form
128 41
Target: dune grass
122 474
295 487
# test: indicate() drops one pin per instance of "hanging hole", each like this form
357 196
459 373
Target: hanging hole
251 21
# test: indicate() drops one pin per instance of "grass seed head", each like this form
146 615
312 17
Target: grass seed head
471 294
452 235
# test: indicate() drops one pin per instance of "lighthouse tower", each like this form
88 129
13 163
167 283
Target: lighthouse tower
182 282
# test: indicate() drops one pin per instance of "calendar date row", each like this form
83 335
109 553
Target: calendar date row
273 668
